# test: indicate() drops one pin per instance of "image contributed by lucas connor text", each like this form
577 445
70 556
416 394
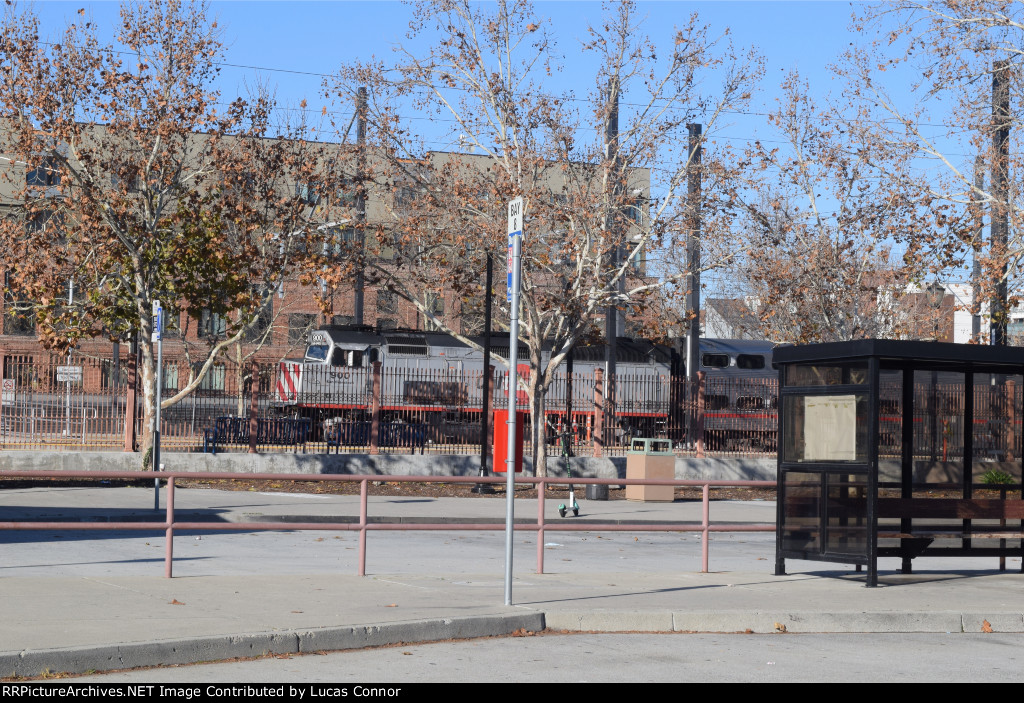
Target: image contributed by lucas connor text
67 689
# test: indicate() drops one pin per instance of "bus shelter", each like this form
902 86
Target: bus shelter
891 448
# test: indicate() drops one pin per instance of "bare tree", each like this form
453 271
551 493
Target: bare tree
961 54
137 185
591 221
829 205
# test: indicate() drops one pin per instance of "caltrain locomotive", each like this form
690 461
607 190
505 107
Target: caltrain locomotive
436 380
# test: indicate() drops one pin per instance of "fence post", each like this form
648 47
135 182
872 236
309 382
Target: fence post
487 420
598 436
3 432
254 401
375 410
1010 395
129 402
699 424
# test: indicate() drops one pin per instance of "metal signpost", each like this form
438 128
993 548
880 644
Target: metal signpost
158 328
515 254
10 387
68 375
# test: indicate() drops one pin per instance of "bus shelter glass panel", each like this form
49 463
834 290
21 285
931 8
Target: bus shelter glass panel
801 523
847 526
854 373
938 431
890 425
826 428
997 428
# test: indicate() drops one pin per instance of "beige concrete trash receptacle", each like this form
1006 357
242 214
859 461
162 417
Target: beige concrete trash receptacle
650 459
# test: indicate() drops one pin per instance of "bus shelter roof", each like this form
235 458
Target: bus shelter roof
901 354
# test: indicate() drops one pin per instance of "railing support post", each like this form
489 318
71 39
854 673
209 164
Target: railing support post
598 436
169 547
705 532
375 410
254 402
540 526
363 487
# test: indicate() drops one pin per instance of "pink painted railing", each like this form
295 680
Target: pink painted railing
169 525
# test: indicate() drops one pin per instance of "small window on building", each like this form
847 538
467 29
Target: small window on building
300 324
387 302
18 319
214 378
112 375
260 327
435 304
21 368
715 361
45 175
212 324
170 377
308 193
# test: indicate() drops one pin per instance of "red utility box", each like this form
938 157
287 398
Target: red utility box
501 441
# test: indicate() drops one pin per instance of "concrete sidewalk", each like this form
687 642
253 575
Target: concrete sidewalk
77 602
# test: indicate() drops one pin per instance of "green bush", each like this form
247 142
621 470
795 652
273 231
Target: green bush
995 477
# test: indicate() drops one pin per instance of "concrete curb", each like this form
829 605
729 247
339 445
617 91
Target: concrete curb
791 622
79 660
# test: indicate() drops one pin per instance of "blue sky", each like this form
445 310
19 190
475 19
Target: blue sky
292 44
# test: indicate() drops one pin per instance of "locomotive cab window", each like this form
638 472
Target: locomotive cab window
348 358
317 352
715 361
749 361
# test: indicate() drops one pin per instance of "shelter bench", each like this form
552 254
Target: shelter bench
278 431
392 434
917 541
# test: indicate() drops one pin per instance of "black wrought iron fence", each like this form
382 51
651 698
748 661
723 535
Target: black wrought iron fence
81 402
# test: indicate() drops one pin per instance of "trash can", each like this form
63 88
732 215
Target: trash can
597 491
650 459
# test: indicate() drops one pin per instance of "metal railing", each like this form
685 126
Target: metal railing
364 526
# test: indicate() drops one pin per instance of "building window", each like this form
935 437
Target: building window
308 193
339 240
108 372
214 378
21 369
471 318
346 197
18 320
435 304
261 325
45 175
300 324
212 324
387 302
169 377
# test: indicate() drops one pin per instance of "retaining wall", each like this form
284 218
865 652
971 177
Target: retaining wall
716 468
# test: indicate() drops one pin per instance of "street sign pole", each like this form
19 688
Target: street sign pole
515 246
158 328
